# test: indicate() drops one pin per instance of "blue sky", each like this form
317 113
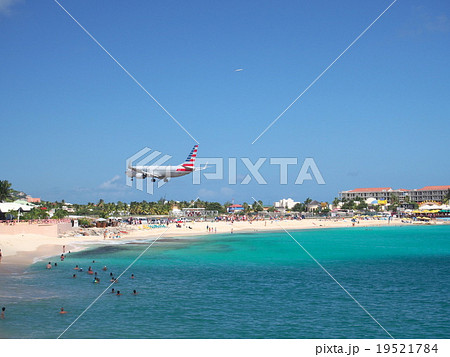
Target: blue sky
71 116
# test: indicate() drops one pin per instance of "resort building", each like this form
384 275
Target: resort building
427 193
285 203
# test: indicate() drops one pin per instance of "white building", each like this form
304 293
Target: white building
285 203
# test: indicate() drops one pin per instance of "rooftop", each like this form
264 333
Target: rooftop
371 189
435 188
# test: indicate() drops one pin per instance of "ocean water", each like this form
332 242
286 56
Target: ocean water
255 285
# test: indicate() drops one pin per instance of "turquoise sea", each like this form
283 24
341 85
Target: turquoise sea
255 285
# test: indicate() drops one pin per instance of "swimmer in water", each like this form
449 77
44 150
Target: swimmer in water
112 279
76 267
132 276
74 276
112 291
62 311
105 268
49 265
118 293
135 292
2 315
56 264
93 261
81 269
110 274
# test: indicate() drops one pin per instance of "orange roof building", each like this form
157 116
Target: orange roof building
427 193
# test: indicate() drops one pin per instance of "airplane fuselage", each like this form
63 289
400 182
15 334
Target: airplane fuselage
159 172
165 172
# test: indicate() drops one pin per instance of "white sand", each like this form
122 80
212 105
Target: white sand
24 249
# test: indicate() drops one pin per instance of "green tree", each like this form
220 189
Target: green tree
35 213
362 205
257 206
5 190
60 213
298 207
349 205
446 198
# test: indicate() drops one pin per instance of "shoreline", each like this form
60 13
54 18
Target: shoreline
21 251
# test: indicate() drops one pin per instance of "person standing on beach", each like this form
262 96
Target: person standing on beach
64 249
0 255
2 315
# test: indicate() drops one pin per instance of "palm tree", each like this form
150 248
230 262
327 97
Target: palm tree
5 190
446 199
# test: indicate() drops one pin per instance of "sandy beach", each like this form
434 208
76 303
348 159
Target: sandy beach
25 249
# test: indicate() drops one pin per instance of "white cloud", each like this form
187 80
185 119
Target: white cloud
6 5
112 184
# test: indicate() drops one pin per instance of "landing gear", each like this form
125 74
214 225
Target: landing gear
153 180
144 176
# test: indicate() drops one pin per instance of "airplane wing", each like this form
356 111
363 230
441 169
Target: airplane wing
146 173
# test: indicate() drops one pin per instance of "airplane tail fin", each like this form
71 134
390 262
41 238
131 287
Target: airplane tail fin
190 161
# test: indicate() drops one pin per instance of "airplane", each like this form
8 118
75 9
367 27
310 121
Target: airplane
165 172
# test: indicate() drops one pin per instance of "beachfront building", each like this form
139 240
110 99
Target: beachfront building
313 206
192 212
235 208
375 193
6 207
427 193
287 203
